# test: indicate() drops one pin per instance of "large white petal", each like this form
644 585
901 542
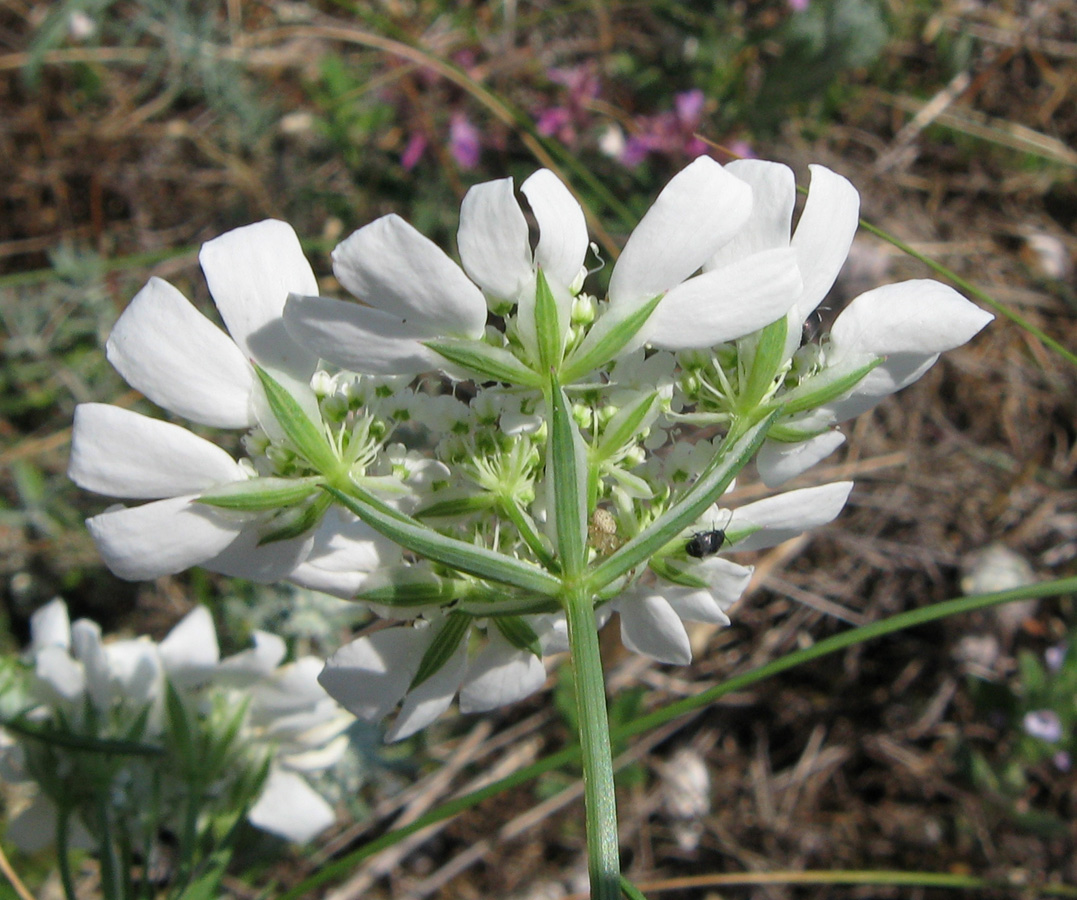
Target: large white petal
431 698
290 808
161 538
725 303
50 626
774 194
695 605
174 355
251 665
120 453
824 234
343 556
294 688
649 625
897 372
494 246
250 272
369 676
394 268
245 557
562 243
60 673
359 338
135 669
922 317
700 209
499 675
189 652
787 515
778 462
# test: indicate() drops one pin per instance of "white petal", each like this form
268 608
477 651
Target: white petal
294 688
190 651
700 209
359 338
394 268
787 515
431 698
60 672
493 239
824 235
161 538
499 675
369 676
50 626
695 605
897 372
254 664
774 194
290 808
135 669
778 462
86 646
650 626
344 554
917 317
250 272
562 243
245 557
174 355
725 303
120 453
726 578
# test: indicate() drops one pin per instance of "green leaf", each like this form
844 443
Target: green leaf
609 335
72 741
456 554
711 484
518 633
408 587
457 506
487 362
624 426
547 324
308 438
768 357
824 388
568 461
261 493
442 647
293 523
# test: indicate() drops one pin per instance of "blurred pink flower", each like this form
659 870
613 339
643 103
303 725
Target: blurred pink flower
465 143
413 152
565 122
669 133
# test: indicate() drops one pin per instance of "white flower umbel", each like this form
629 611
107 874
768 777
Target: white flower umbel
560 475
168 350
188 728
883 341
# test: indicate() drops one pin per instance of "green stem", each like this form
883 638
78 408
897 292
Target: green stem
63 850
603 857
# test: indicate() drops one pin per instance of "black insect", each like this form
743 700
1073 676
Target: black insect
705 543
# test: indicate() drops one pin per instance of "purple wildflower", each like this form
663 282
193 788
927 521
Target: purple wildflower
1043 724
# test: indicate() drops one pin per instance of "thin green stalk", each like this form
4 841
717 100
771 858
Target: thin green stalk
600 802
63 851
110 864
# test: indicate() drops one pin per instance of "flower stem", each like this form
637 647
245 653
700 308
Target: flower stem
603 857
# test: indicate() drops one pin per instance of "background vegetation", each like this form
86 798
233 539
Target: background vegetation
132 131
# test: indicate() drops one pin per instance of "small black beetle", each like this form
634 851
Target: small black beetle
705 543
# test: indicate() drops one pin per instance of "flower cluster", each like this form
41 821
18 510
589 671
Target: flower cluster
149 732
470 443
